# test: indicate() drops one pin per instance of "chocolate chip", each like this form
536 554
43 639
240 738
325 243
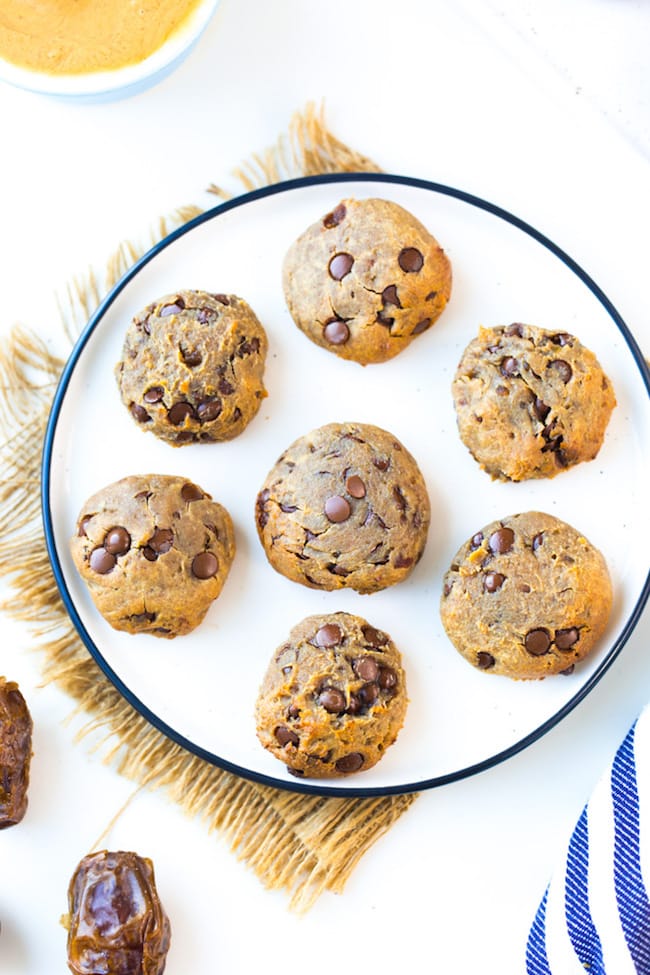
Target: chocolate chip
515 329
329 635
172 309
355 486
568 670
178 412
208 409
366 668
337 509
562 368
139 413
354 704
410 260
248 346
101 561
117 541
537 642
332 700
493 581
368 694
537 541
206 315
143 617
501 541
191 357
350 763
421 326
374 637
540 409
190 492
389 296
83 523
476 541
562 338
381 463
205 565
384 319
154 394
340 265
225 387
485 660
222 299
387 678
334 218
402 561
161 541
565 639
336 332
284 736
509 366
260 506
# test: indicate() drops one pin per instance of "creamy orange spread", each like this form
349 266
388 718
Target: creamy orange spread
80 36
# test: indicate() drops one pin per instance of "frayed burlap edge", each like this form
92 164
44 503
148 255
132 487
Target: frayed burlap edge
299 843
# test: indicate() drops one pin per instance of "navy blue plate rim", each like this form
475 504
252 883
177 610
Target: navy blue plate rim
292 784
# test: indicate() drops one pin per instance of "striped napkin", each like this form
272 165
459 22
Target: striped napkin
595 914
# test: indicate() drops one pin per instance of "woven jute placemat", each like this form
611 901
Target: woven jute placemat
302 844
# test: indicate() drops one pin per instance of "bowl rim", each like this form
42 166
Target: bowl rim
104 82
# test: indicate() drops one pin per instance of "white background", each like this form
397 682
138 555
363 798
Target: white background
540 110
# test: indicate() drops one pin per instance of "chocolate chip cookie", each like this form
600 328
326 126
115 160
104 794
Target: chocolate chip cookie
154 551
192 367
530 402
333 698
526 596
365 280
344 506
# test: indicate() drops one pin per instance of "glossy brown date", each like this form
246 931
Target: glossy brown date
116 923
15 753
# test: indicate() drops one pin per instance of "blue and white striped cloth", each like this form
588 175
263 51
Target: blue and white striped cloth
595 914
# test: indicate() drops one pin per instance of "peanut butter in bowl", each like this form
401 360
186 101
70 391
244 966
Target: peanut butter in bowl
87 47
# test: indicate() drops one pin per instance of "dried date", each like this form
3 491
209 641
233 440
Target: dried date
15 753
116 923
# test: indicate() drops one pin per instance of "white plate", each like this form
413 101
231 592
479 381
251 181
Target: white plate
201 689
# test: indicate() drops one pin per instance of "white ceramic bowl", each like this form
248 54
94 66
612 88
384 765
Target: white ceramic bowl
122 82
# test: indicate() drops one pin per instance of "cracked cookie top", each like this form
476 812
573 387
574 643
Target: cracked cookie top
192 367
344 506
365 280
530 402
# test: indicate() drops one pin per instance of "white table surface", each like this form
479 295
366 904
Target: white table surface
543 112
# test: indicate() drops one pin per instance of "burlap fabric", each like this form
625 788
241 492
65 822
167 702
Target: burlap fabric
299 843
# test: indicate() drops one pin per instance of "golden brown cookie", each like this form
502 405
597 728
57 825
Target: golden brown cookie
365 280
155 551
333 698
192 367
530 402
526 596
344 506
